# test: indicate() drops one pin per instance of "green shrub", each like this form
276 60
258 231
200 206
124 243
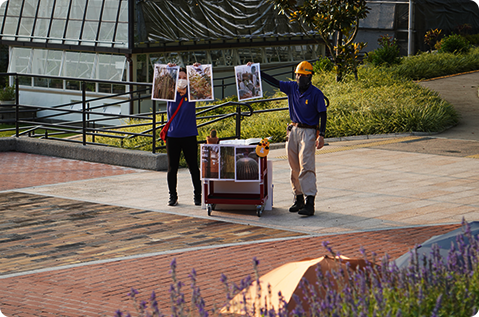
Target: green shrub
473 38
386 54
323 64
454 43
431 65
7 93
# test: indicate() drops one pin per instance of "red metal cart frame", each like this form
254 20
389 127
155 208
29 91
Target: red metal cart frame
212 198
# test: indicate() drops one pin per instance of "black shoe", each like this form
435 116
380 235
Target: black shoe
308 209
298 204
173 201
197 200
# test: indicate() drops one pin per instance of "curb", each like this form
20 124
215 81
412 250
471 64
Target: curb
133 158
98 154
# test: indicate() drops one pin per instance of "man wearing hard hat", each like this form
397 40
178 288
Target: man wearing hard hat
307 109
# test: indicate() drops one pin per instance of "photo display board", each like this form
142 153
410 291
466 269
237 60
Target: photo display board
248 82
230 162
165 79
200 83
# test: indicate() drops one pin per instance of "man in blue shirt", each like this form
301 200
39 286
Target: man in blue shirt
306 109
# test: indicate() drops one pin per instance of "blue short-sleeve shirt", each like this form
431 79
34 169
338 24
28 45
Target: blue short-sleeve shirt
303 108
184 123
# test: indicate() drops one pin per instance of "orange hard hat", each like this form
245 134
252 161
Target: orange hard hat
304 68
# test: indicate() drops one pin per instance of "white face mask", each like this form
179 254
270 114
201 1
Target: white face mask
182 83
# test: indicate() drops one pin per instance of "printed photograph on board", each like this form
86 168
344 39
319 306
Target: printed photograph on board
200 82
164 82
210 161
227 162
247 164
248 82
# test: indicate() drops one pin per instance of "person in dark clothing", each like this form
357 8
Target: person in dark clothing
181 136
307 109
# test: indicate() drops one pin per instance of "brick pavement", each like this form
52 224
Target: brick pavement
64 255
19 170
100 289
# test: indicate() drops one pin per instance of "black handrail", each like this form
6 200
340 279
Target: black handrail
94 123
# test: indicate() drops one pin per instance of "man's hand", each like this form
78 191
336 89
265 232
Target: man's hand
319 142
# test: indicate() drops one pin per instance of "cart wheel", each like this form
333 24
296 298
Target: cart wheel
209 207
259 210
213 206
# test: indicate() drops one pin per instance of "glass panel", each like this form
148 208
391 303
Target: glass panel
111 67
78 65
111 10
230 57
30 8
3 3
26 27
106 33
123 10
78 9
283 53
119 89
25 81
94 9
89 33
61 9
189 58
14 8
271 55
45 9
39 61
10 28
298 52
106 88
217 58
53 63
122 35
158 59
58 26
73 31
41 29
72 85
19 60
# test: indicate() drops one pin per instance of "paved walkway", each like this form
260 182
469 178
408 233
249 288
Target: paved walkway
76 236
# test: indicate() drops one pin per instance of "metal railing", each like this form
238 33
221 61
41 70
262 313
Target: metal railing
90 122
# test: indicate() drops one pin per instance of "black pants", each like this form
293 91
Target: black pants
189 146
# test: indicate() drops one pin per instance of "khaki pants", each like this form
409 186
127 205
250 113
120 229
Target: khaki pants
301 148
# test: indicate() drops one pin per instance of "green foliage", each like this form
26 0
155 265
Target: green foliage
431 37
334 19
426 65
473 39
454 43
7 93
380 102
323 64
387 54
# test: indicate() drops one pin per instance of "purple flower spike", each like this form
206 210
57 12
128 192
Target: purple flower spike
132 293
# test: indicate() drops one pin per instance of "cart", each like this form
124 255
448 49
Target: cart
234 191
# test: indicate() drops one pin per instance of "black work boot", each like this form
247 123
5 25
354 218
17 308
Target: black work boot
308 209
173 201
298 203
